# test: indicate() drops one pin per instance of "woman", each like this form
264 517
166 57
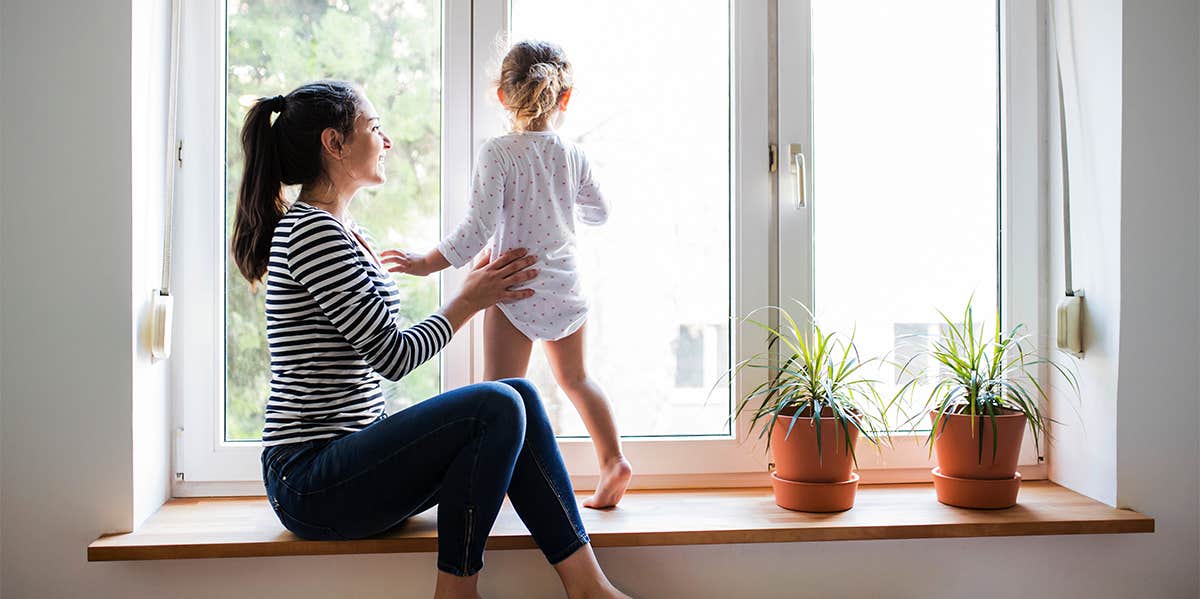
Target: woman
334 466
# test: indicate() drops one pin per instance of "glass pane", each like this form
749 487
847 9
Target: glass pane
651 109
905 187
392 48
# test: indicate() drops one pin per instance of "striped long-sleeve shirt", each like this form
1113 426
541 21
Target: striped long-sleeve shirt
333 331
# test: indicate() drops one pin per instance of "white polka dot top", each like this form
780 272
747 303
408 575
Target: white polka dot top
527 191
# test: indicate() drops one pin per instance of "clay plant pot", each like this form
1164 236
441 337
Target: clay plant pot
809 480
815 497
796 455
965 477
976 493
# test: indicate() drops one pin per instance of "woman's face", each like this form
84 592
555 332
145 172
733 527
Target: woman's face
364 151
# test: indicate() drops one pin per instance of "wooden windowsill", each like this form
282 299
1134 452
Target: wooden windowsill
246 526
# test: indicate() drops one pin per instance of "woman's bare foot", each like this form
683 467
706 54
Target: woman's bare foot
614 479
450 586
582 577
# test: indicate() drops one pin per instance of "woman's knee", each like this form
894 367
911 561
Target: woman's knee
534 410
524 387
501 404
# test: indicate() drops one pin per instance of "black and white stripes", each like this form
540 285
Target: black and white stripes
332 330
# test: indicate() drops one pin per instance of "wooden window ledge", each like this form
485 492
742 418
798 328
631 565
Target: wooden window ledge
246 526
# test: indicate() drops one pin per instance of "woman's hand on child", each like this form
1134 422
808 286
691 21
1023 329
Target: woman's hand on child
491 282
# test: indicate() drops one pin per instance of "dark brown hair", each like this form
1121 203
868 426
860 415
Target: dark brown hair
534 75
284 152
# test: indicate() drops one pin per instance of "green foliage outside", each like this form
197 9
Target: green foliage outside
392 48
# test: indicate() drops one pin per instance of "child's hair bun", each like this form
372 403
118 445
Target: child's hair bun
534 75
543 70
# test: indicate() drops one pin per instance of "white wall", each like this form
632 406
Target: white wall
151 26
1159 407
2 200
66 374
1082 452
65 332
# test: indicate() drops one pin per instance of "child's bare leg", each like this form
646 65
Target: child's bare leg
505 349
566 357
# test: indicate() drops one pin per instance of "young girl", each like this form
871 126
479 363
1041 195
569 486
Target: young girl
528 188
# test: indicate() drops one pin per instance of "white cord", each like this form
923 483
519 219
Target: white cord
173 161
1062 135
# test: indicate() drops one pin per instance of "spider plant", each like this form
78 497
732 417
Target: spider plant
981 374
816 372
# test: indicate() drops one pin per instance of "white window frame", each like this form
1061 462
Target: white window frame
1020 219
197 364
682 460
207 465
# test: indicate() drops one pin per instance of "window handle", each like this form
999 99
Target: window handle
796 165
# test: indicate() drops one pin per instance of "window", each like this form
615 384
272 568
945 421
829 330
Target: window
672 105
909 341
904 189
393 48
914 198
665 92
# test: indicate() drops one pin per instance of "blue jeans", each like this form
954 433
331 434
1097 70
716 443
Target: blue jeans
462 451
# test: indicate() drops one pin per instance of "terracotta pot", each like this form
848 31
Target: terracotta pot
815 497
957 445
805 478
965 477
976 493
796 455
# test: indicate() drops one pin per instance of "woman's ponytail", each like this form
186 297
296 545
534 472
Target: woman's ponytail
286 152
260 202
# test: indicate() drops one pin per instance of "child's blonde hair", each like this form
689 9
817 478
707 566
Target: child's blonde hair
534 75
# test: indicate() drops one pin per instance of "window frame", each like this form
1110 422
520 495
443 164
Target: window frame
197 366
1020 218
677 459
204 464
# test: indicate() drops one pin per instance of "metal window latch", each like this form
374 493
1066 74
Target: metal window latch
797 166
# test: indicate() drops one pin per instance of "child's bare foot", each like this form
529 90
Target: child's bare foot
614 478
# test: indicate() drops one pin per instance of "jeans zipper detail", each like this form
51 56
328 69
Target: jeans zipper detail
554 489
469 535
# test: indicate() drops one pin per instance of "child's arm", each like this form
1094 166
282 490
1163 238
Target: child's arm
400 261
472 234
590 206
483 212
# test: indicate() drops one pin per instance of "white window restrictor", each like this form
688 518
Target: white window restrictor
162 307
1070 308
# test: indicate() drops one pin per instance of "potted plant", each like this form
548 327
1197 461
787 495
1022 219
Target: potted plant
813 408
983 397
